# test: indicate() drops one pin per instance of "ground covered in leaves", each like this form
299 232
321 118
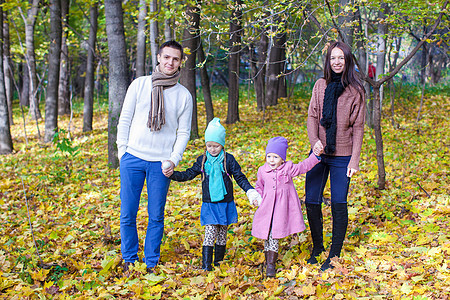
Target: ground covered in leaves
60 207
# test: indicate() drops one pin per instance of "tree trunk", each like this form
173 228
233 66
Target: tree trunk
24 85
118 73
168 32
31 59
381 48
394 64
88 113
233 63
377 90
364 62
345 21
282 87
204 79
423 63
154 32
7 67
64 71
378 137
141 39
54 54
190 40
421 101
272 73
260 75
6 145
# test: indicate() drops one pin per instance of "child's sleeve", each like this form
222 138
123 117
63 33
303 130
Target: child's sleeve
304 166
259 186
235 170
190 173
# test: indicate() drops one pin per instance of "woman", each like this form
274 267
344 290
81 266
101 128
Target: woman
335 121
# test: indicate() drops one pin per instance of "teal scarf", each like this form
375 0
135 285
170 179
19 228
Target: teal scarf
214 169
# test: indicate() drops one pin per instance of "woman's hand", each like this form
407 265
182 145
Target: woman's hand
351 172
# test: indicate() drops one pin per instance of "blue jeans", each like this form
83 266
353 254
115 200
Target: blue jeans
316 178
133 172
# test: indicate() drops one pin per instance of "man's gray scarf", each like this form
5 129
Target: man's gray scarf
160 82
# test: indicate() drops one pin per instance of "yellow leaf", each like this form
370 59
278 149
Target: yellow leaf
292 274
107 266
406 288
309 289
279 290
435 251
186 245
40 275
199 280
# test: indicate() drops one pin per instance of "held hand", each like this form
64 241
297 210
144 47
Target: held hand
351 172
254 197
167 167
318 148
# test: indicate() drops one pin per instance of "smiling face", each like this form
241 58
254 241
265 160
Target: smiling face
169 60
337 60
274 160
213 148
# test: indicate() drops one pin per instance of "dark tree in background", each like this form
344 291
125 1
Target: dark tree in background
64 70
54 54
191 40
233 63
118 73
141 39
31 59
6 145
7 66
204 79
90 70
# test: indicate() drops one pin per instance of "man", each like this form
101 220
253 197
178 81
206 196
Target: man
153 131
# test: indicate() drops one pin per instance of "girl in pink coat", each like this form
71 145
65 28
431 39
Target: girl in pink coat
279 214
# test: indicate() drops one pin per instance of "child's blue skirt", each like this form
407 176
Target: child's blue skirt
218 213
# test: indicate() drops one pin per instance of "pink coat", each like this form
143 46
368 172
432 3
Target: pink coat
280 204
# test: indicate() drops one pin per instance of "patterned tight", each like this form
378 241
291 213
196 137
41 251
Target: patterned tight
271 244
213 232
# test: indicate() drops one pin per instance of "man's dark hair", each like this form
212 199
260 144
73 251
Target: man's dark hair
172 44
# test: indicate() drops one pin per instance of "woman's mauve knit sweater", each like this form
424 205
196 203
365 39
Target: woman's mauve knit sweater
351 112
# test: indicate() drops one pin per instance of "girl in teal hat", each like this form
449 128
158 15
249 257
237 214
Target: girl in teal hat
218 208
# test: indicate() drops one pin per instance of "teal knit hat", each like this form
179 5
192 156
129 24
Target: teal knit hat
215 132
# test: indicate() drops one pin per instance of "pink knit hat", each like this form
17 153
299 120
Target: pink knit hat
277 145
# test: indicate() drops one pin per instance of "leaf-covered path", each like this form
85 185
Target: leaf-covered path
398 242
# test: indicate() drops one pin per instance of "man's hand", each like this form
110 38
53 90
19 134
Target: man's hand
167 167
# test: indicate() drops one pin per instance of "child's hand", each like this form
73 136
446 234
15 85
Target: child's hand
254 197
318 148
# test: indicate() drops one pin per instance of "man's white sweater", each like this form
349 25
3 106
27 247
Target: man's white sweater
133 134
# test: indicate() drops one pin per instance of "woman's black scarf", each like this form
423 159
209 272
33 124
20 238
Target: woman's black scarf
334 89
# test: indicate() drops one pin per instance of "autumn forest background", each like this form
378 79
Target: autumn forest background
65 70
